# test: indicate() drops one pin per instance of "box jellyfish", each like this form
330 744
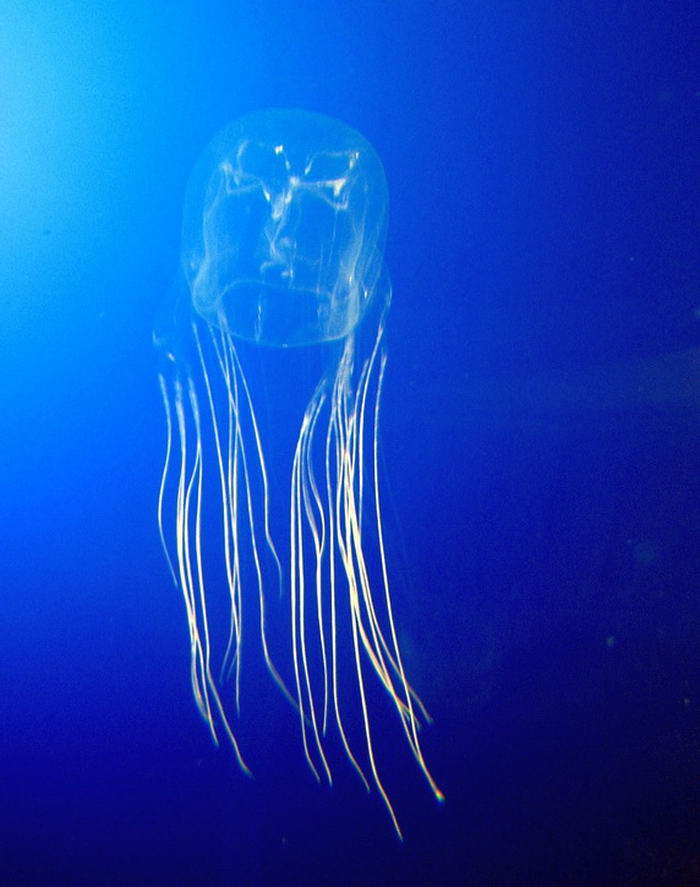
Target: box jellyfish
282 251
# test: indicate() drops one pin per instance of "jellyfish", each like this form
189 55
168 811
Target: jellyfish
282 252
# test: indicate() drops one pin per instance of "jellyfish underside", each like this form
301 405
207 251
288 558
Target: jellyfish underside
283 248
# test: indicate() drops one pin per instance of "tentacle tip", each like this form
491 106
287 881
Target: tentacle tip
439 797
315 772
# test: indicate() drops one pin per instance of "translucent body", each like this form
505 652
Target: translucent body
284 228
283 233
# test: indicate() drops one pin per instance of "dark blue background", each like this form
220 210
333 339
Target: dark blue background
540 431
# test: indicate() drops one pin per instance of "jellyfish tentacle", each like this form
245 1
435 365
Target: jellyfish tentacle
239 377
408 691
234 439
300 496
185 482
234 379
354 558
332 447
315 518
211 684
229 524
203 684
165 473
369 635
261 461
235 456
296 600
344 493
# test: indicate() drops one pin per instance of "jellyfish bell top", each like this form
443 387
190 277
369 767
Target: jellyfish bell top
284 228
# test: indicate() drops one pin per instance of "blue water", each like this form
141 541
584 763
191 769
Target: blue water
539 431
